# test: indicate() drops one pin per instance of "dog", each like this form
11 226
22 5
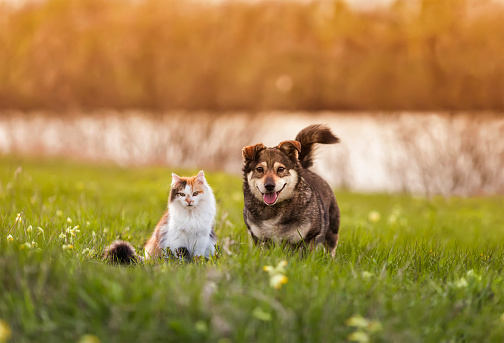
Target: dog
284 201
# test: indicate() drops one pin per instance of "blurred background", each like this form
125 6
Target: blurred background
414 88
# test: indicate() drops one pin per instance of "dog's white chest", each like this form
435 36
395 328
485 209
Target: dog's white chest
272 229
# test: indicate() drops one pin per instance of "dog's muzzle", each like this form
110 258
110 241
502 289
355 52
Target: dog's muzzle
271 197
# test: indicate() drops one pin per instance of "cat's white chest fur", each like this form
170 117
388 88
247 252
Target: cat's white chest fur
190 227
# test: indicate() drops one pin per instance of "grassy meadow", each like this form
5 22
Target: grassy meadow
408 269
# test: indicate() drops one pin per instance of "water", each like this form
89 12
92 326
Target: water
460 154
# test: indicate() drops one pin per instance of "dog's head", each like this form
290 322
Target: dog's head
272 173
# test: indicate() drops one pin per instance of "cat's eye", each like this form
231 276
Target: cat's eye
259 169
195 193
182 194
280 169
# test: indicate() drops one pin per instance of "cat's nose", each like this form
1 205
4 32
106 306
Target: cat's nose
269 185
189 201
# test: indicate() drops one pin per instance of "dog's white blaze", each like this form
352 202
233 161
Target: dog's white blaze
288 191
253 188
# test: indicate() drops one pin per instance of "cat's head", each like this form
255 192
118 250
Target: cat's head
188 192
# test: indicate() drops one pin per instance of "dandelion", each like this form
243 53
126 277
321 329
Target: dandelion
374 216
10 238
67 247
89 339
277 274
72 231
461 283
5 331
88 252
367 275
357 321
358 336
276 281
364 327
26 245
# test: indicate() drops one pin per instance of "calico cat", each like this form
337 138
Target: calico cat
185 230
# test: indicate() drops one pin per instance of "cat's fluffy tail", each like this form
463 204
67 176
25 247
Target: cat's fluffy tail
121 252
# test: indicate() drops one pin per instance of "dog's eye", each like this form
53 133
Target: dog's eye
259 169
182 194
280 169
195 193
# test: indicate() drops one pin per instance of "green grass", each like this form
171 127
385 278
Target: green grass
419 270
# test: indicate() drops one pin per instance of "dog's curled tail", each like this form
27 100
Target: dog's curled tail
308 137
121 252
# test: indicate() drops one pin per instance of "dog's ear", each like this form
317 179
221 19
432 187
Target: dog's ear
249 153
290 148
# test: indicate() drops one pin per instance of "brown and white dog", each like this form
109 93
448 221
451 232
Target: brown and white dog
284 200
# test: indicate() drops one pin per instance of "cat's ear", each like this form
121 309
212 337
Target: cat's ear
201 177
290 148
175 179
249 153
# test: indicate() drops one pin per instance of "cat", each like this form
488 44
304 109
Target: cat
186 230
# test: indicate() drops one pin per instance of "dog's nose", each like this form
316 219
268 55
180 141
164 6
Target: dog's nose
269 185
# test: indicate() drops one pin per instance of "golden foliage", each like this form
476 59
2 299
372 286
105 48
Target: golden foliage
168 54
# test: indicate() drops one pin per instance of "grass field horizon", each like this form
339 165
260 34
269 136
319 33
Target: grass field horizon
407 268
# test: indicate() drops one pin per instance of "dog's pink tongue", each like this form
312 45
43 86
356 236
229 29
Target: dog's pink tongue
270 198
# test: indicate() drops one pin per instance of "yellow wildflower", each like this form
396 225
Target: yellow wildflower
277 274
69 220
374 216
10 238
67 247
26 245
277 280
89 339
357 321
358 336
29 229
461 283
367 275
5 331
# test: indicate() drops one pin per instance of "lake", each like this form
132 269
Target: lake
419 153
